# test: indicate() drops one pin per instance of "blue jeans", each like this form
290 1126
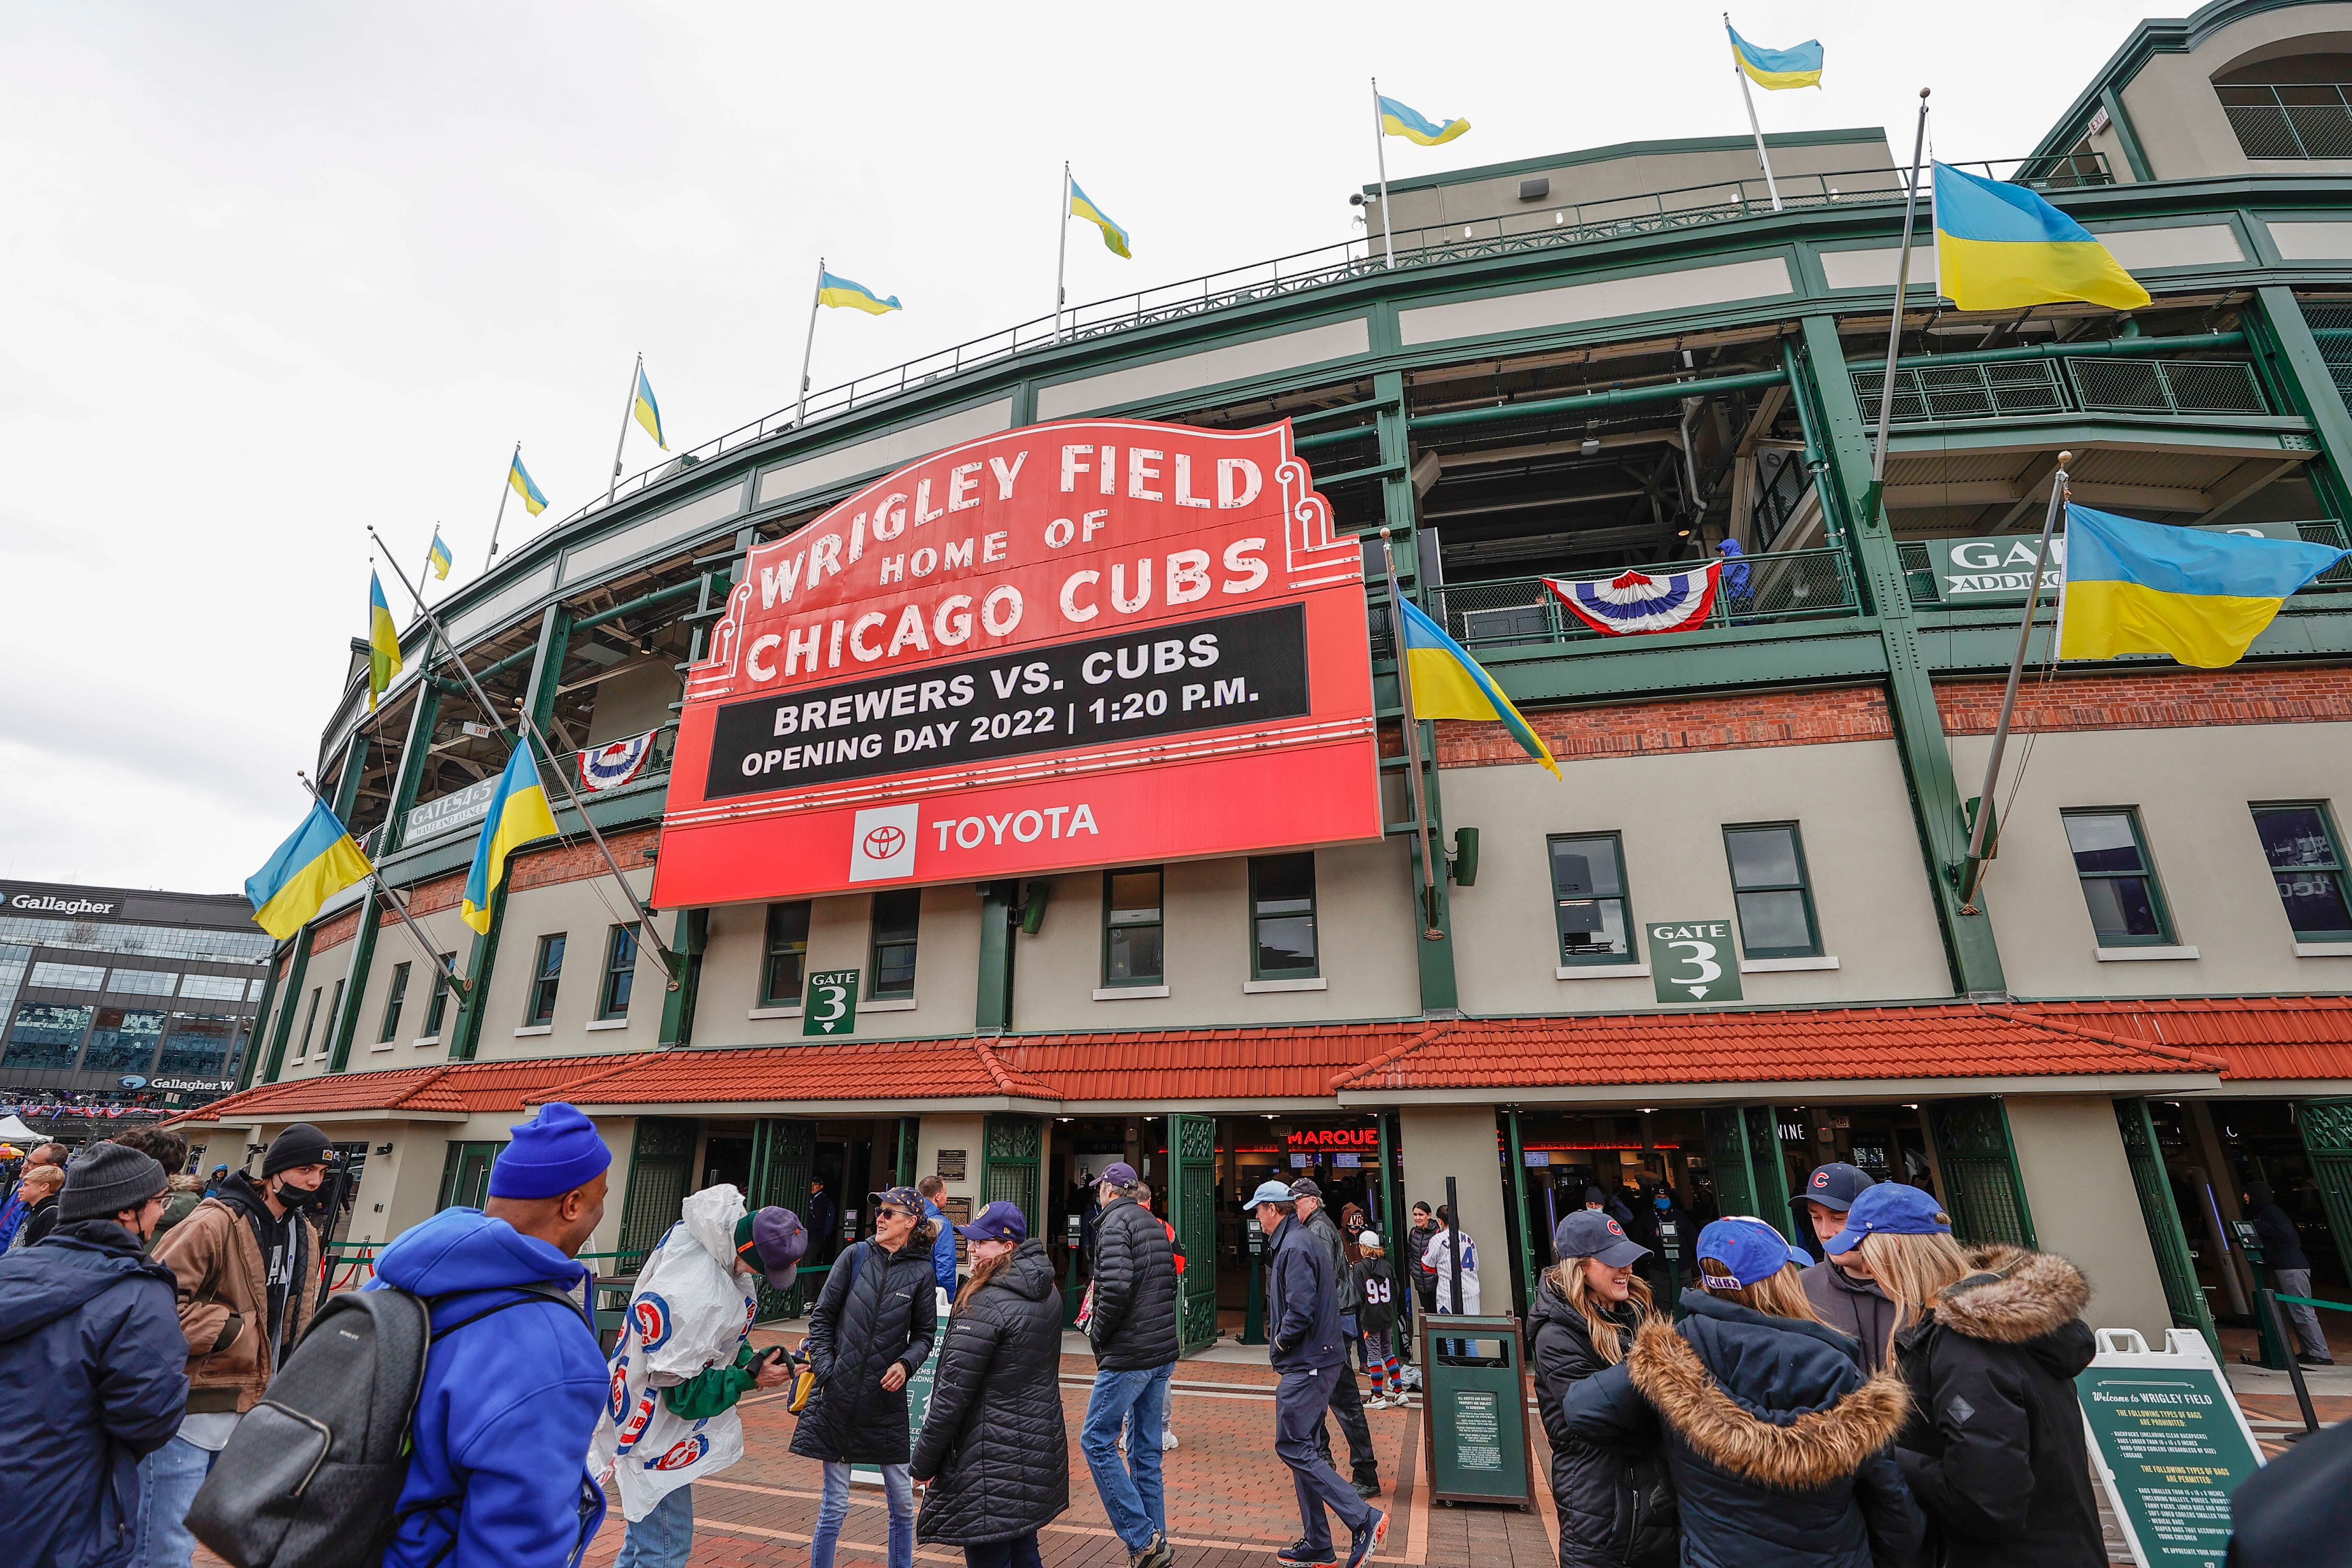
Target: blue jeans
168 1480
1130 1492
663 1538
835 1507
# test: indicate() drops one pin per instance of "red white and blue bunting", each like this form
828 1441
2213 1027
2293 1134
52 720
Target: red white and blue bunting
1634 601
616 762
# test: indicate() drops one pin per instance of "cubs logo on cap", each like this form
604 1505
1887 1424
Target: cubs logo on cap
1615 1229
1820 1178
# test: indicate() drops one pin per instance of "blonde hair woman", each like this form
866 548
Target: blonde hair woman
1616 1508
1777 1444
1988 1340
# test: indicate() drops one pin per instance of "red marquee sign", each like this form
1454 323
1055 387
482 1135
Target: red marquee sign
1080 643
1305 1140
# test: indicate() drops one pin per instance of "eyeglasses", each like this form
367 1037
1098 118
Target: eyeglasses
886 1211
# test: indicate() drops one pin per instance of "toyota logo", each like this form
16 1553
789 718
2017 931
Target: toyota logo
884 842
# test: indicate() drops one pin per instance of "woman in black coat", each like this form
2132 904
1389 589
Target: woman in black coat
1616 1509
993 1452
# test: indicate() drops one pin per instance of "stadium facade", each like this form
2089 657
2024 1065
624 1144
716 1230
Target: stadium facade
1565 366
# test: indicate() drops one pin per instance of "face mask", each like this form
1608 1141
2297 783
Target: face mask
295 1200
1663 1202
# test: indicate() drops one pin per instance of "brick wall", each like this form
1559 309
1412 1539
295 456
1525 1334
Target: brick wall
1685 725
336 931
576 861
427 898
2175 699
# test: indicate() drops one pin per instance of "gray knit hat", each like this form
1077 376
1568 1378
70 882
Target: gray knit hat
106 1179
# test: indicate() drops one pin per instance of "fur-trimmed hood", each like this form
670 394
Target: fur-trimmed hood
2015 1297
1768 1400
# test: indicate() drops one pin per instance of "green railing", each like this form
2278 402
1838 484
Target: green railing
2010 388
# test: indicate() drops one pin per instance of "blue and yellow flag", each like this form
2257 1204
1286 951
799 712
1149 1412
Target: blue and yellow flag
1397 119
1082 205
318 862
383 641
437 560
519 477
838 291
647 411
2147 587
518 814
1998 246
1778 68
1447 683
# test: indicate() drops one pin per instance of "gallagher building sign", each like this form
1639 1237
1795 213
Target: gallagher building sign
1072 645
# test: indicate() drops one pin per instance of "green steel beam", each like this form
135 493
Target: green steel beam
2106 348
992 1004
415 755
2291 354
692 935
641 601
283 1030
1586 402
2120 119
345 1024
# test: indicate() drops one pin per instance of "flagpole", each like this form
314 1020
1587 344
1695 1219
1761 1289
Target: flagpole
1972 870
377 886
1061 251
1381 152
808 345
1430 866
1895 326
1748 96
506 487
627 408
531 726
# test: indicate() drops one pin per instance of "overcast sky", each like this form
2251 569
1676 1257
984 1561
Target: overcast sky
276 272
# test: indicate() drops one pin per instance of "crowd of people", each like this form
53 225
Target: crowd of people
1901 1400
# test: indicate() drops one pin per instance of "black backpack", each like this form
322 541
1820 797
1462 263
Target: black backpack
311 1476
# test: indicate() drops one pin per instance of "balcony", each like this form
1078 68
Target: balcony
2010 388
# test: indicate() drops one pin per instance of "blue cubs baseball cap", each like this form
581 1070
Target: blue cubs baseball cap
1890 1208
1797 1255
1835 1185
1591 1233
1000 1221
1751 1250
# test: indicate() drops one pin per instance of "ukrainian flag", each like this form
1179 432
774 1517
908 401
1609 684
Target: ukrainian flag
1082 205
519 477
1447 683
1397 119
2146 587
1998 246
437 560
518 814
1778 68
318 862
832 290
647 411
383 641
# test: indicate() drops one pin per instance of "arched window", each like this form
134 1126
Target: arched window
2295 107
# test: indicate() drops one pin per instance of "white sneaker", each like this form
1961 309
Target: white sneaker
1166 1439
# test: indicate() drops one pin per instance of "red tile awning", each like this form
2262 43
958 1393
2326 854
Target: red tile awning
2256 1037
447 1088
963 1068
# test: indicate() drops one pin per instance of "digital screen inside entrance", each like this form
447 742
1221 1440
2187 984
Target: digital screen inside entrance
1096 642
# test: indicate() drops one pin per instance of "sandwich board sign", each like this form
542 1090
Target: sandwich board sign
2169 1443
1693 960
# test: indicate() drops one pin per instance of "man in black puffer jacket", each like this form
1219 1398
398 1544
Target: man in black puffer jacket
1133 1332
870 1331
993 1452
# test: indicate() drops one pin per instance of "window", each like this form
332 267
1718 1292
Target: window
1589 901
1282 916
785 971
2289 119
214 987
2119 885
2307 860
198 1045
438 1004
45 1034
1770 890
1133 953
466 1175
70 976
620 973
897 916
334 1019
123 1041
544 975
143 982
394 995
309 1022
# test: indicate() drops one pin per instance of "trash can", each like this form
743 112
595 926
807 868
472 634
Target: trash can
1474 1442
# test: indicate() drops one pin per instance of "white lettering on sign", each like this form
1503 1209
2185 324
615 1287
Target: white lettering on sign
48 904
1026 826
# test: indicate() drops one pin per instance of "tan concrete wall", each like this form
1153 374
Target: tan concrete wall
634 701
946 970
2079 1185
2181 125
1641 175
585 912
1364 931
1439 1142
1848 799
2192 788
938 1133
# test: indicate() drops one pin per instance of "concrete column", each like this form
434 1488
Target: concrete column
963 1132
1459 1140
2078 1183
2210 1164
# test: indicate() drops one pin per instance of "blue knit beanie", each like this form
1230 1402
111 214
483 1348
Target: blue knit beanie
554 1151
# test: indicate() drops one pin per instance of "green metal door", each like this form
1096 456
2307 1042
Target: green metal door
1010 1148
1727 1157
661 1173
2326 1128
783 1158
1770 1169
2162 1217
1982 1190
1191 1207
466 1175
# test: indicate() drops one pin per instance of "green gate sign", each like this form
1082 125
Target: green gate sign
1693 960
2171 1445
829 1006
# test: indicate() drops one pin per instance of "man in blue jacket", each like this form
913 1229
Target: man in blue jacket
500 1477
1302 1327
944 1270
90 1350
